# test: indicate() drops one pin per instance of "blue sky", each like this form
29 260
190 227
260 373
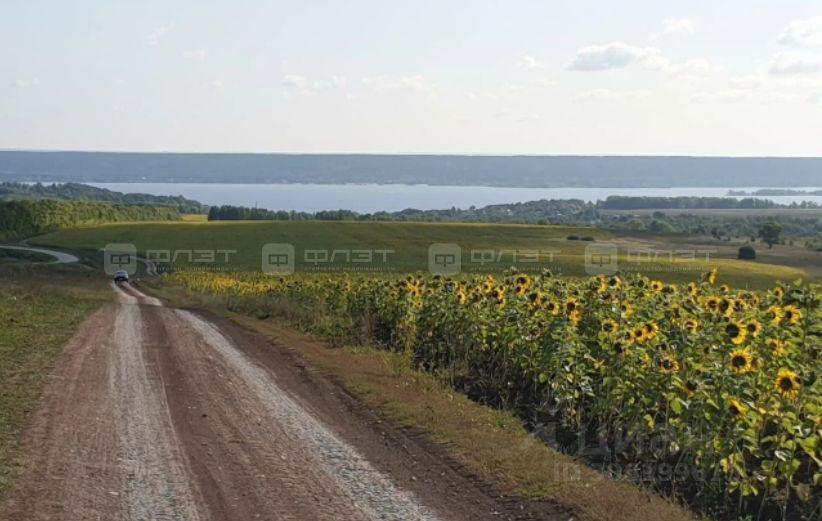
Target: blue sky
739 77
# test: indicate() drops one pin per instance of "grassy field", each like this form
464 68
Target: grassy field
21 256
40 308
404 247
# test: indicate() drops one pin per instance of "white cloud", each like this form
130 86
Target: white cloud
157 34
692 67
196 55
531 63
616 55
796 62
750 81
24 84
743 96
803 33
385 83
543 82
611 95
674 26
215 84
815 98
305 85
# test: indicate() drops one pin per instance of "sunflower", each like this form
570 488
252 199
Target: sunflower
724 288
777 346
691 386
575 316
520 290
741 361
462 298
523 280
736 407
626 309
657 286
712 276
724 306
487 286
787 384
778 293
736 332
552 307
638 334
609 326
691 326
693 289
535 299
668 365
792 314
614 282
712 304
651 330
570 305
774 314
754 328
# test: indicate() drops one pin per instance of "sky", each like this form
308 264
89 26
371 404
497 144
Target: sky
728 78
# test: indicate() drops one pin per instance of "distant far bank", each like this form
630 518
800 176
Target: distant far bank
437 170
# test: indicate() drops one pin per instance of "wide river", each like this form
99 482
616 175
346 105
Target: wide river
372 198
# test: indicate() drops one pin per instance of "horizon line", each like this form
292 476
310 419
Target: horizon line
407 154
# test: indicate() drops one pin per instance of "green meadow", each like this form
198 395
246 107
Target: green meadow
403 247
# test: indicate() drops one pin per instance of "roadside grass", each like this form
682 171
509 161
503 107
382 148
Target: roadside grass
40 307
491 444
22 256
408 244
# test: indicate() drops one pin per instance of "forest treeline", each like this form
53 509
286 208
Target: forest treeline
81 192
26 218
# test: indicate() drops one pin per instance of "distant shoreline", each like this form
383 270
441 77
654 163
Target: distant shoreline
609 172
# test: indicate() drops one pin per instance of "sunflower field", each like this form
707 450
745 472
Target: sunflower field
701 391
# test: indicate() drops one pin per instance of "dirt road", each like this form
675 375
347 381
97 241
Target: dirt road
158 414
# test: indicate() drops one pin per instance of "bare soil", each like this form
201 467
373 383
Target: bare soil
158 414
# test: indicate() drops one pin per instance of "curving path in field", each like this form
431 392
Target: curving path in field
59 256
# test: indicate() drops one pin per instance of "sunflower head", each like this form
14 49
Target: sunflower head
778 293
522 280
792 314
774 314
693 289
754 328
626 309
638 334
552 307
535 298
736 408
691 326
571 305
712 276
691 386
741 361
736 332
520 290
656 286
609 326
777 346
668 365
787 384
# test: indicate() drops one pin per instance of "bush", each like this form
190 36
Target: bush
572 238
747 253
